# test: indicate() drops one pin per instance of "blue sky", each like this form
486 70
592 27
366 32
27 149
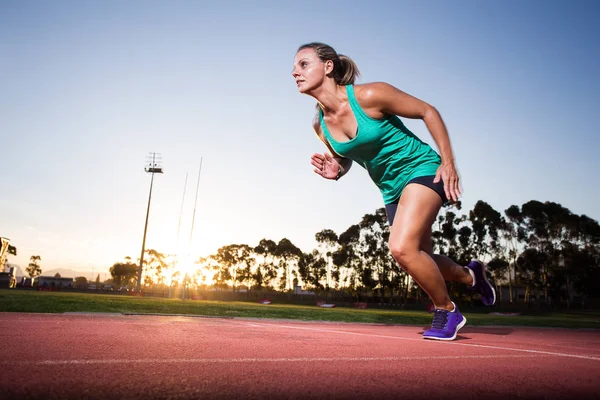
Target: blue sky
90 88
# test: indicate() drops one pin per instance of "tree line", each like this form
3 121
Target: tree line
542 248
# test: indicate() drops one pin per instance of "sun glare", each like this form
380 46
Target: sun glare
185 266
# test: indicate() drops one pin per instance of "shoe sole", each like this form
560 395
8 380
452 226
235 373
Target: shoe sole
484 268
462 323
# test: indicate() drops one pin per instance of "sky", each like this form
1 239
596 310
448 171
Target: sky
89 89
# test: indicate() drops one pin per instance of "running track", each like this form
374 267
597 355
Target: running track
86 356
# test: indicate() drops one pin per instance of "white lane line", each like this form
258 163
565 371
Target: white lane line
549 353
250 360
541 352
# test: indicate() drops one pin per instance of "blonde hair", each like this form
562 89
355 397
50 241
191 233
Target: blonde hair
344 71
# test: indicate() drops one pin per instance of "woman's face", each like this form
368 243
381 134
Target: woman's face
309 71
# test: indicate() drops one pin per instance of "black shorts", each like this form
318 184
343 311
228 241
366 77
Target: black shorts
390 208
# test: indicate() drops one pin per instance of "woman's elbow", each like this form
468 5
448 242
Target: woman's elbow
430 112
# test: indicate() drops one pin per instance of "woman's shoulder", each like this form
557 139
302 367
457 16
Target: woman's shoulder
373 97
371 90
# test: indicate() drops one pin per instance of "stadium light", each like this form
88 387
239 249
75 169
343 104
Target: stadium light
152 167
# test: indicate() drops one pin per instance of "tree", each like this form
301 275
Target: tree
34 269
498 267
585 264
328 241
81 281
312 268
513 233
589 231
485 222
200 274
124 274
234 264
465 251
580 258
349 256
266 271
246 261
154 265
534 277
454 241
448 234
375 234
550 226
290 255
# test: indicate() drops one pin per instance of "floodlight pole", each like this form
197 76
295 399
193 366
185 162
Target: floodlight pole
152 167
178 230
192 229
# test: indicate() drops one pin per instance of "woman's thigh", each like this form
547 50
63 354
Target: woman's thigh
417 209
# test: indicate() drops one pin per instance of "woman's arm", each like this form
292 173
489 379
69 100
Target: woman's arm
382 98
332 165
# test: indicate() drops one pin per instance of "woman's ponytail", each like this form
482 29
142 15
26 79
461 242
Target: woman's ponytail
345 71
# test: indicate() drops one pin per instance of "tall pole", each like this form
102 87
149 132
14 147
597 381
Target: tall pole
192 229
182 201
195 202
153 168
178 230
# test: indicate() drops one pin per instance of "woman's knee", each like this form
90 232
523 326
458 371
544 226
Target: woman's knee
404 251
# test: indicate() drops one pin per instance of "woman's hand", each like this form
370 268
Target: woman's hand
325 165
447 172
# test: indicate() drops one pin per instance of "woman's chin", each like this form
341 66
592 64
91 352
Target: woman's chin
304 89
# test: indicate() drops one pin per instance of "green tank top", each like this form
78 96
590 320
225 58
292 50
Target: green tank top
391 154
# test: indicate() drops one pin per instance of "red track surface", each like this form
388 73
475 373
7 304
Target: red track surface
167 357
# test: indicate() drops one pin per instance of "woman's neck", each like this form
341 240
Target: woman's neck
330 97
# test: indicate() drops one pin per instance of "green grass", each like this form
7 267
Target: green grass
60 302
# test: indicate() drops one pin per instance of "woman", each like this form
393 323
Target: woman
360 123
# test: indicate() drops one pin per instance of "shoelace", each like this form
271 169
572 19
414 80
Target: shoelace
440 318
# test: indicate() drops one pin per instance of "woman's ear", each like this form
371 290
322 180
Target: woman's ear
328 67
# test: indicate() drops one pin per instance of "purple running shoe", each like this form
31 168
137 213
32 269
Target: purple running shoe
445 324
480 283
